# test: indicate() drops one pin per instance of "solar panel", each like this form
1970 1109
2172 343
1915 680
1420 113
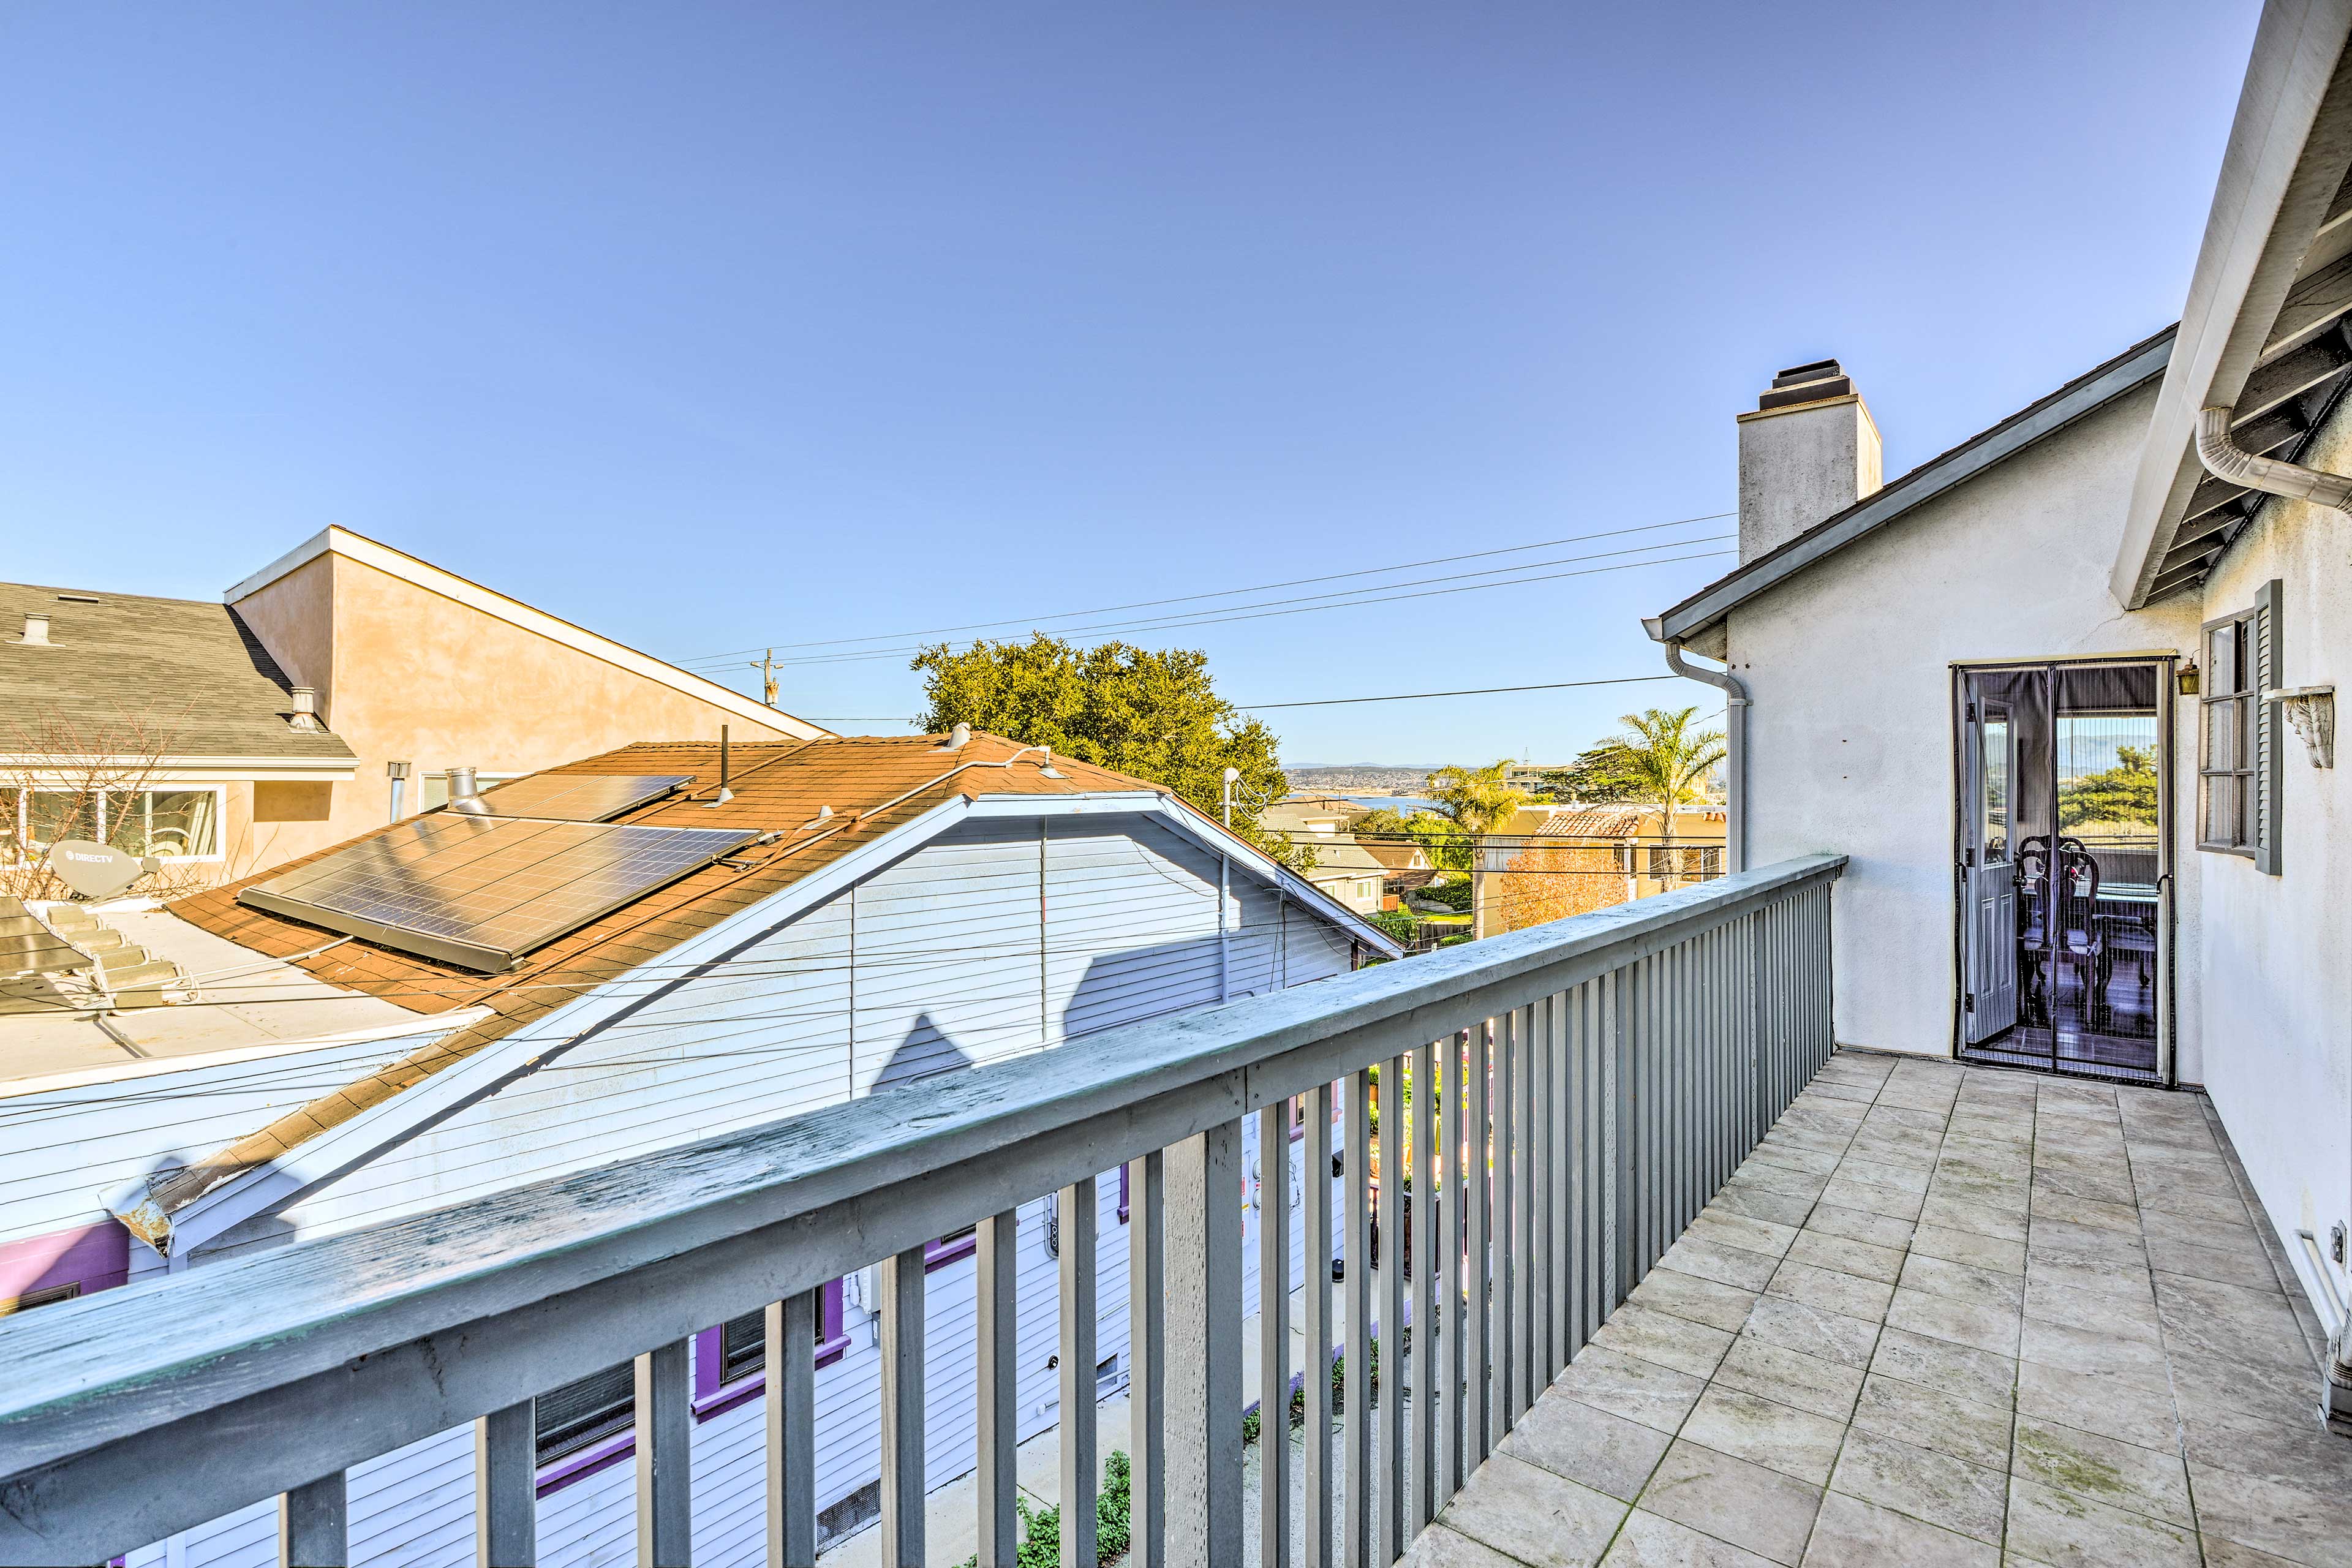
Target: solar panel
481 892
579 797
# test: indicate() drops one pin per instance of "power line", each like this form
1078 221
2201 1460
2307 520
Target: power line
1471 691
1253 613
1224 592
1338 701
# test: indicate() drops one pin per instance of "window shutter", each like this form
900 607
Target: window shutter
2263 654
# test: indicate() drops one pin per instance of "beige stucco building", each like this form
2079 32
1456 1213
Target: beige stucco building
409 671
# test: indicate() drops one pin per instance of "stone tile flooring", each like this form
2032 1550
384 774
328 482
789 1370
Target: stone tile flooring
1943 1315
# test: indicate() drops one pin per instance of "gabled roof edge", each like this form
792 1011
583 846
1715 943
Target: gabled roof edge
338 541
2085 394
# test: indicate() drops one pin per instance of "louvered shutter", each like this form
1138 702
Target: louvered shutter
2263 652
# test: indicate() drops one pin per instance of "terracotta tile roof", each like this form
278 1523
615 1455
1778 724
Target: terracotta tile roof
873 784
1594 822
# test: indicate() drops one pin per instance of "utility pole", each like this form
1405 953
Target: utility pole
767 668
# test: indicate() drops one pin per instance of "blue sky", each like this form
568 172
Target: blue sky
712 327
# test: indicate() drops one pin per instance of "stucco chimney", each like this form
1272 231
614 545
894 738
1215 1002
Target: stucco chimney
1809 450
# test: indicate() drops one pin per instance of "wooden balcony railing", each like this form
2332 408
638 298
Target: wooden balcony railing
1620 1064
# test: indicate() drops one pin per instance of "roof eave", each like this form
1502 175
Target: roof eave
2289 147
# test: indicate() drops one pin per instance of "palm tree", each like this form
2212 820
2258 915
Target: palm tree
1668 762
1477 801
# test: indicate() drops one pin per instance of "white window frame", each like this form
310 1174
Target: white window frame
219 792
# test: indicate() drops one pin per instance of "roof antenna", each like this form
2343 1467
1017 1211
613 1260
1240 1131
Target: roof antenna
725 795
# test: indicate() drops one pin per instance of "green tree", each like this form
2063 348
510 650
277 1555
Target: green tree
1439 838
1659 754
2123 795
1156 715
1597 776
1477 802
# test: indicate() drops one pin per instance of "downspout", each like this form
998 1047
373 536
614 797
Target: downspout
2225 459
1734 730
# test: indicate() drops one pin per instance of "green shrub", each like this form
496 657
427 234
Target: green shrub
1041 1528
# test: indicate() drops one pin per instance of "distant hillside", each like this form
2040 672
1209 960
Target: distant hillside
1338 776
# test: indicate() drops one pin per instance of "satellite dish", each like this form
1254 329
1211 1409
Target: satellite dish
94 871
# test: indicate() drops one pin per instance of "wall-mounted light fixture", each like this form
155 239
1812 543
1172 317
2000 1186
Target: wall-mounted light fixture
2187 677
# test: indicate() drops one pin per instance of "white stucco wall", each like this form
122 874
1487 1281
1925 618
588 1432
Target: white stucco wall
1849 665
2278 999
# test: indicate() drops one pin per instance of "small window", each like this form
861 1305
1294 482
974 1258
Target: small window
1710 860
584 1414
2238 788
47 1297
1661 860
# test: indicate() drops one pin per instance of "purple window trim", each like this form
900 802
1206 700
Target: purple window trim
94 1256
578 1466
939 1254
1122 1191
715 1396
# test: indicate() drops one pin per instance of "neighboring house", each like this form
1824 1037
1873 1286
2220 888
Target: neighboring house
861 914
1348 872
1531 776
1552 861
162 726
2065 693
406 670
1321 815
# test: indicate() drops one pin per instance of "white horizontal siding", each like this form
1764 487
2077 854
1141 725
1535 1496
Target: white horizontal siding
957 954
61 1150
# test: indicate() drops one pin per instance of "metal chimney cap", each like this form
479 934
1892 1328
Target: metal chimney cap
464 795
959 738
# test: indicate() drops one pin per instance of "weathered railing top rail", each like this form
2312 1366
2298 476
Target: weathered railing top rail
251 1376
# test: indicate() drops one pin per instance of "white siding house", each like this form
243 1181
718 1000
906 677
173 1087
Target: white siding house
990 925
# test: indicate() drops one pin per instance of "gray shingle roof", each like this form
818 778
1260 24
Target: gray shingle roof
187 676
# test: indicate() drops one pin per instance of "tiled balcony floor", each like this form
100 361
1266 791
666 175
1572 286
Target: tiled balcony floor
1943 1315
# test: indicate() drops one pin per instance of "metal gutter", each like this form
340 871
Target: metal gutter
2286 157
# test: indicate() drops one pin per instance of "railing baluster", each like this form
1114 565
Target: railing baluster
313 1524
664 1455
1315 1320
1205 1351
791 1419
1478 1264
901 1282
1080 1269
1526 1266
1453 1221
1394 1118
1273 1340
1624 1154
506 1501
1356 1482
1541 1143
996 1476
1427 1346
1504 1263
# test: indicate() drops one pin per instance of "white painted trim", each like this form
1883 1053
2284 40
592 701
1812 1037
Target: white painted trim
230 770
155 1067
514 612
344 1148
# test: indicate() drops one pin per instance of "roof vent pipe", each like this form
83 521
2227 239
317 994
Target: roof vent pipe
2269 475
305 716
465 796
958 738
1735 732
36 631
724 795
